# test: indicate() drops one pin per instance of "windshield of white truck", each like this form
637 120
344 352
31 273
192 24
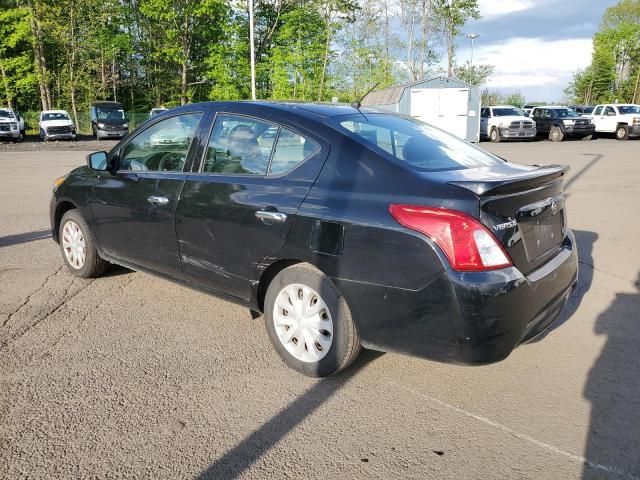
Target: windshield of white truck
506 112
6 114
54 116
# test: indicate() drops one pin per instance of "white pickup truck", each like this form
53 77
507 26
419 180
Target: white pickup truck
11 125
621 119
501 122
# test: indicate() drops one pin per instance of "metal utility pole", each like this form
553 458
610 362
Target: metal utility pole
472 37
252 49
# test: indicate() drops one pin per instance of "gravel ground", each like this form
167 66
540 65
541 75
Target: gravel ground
33 144
130 376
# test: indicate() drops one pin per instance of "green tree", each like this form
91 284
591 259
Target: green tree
452 15
473 74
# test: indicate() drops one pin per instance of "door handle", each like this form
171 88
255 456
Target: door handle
271 216
157 200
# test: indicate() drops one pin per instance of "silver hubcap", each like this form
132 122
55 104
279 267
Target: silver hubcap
73 244
621 133
303 323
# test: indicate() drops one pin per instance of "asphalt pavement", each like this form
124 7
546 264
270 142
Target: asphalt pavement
130 376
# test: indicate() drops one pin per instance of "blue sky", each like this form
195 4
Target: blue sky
535 45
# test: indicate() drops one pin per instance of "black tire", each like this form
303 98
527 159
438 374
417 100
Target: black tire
494 136
586 138
345 345
556 134
94 266
622 132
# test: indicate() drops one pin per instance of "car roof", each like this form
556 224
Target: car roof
308 109
502 106
54 111
553 107
106 104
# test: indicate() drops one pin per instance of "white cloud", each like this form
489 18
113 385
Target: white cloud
532 62
497 8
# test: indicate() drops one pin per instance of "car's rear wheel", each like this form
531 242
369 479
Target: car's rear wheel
494 136
78 247
556 135
309 322
622 132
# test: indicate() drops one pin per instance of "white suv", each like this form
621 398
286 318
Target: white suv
56 125
505 122
621 119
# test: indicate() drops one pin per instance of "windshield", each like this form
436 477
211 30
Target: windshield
55 116
414 143
563 113
6 114
625 109
110 113
506 112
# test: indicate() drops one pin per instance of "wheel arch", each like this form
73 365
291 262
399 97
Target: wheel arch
63 207
268 275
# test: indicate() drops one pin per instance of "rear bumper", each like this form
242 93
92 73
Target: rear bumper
468 318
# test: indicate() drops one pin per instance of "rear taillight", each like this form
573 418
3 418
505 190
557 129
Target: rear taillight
468 245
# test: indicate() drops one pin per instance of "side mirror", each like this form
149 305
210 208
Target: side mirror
97 161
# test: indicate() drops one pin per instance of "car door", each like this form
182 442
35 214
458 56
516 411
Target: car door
609 119
484 122
133 209
597 117
542 119
238 207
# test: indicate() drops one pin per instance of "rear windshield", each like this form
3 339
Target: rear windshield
414 143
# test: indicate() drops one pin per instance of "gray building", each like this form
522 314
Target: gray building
449 104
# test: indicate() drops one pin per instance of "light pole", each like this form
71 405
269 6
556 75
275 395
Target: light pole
252 49
472 37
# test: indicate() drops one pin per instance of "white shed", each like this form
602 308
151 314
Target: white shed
449 104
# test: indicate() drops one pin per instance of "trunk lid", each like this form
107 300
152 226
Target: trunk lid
523 208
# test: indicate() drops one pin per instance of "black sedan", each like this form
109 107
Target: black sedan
347 228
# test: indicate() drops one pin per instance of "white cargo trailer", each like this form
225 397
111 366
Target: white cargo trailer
449 104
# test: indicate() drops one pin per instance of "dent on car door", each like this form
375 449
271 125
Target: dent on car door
238 207
133 208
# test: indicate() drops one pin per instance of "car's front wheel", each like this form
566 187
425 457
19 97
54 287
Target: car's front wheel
495 135
78 247
622 132
556 134
309 322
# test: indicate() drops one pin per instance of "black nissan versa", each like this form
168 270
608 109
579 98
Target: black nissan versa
346 227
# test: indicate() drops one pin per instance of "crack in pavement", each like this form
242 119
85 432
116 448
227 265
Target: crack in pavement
43 313
587 264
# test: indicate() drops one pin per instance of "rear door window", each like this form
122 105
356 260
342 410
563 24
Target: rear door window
414 143
240 145
291 150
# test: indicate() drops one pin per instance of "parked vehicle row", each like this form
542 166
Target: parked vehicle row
503 122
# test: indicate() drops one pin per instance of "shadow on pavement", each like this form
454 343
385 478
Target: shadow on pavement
249 450
24 237
613 388
596 158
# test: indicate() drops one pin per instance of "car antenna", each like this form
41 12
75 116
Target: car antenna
358 103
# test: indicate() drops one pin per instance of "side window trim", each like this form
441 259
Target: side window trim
190 152
207 139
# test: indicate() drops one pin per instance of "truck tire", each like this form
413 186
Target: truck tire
494 136
556 134
622 132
